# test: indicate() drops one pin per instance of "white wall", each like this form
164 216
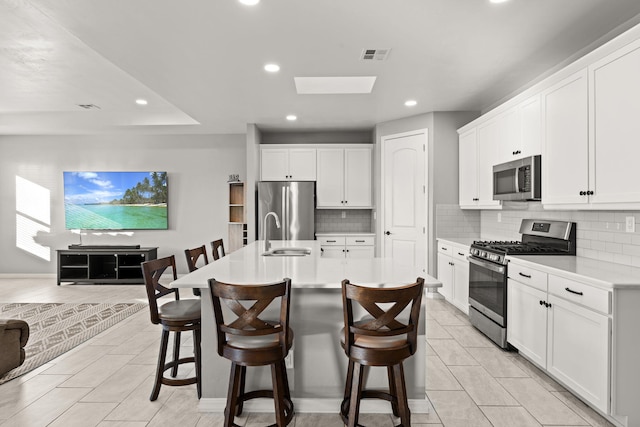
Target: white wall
198 167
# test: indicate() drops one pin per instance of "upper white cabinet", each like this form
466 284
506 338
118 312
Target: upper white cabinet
614 127
565 157
344 178
476 170
530 130
288 164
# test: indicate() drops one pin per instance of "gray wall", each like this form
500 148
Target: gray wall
198 167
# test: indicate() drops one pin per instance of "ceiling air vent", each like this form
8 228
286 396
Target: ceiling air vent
375 54
89 106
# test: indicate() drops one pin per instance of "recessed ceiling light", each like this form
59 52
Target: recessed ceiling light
291 117
141 101
411 103
272 68
250 2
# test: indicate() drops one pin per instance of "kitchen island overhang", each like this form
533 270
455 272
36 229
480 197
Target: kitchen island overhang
319 363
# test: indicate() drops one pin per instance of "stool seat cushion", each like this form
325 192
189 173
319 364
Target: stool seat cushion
367 341
257 342
180 310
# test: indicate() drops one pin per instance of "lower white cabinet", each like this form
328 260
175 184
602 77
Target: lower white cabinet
563 326
453 272
347 246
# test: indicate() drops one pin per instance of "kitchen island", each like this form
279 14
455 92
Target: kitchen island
317 364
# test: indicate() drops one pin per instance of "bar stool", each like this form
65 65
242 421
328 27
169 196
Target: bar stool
217 249
193 255
248 340
381 339
175 316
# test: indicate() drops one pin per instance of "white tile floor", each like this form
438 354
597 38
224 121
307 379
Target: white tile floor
107 380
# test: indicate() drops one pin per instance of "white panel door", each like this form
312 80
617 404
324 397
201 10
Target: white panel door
468 169
565 158
445 275
578 350
488 139
357 177
404 199
302 164
274 164
527 317
330 183
615 126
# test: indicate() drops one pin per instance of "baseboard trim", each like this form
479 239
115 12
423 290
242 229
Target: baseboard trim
28 276
314 405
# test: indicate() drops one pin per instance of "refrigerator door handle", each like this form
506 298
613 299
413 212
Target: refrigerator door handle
287 213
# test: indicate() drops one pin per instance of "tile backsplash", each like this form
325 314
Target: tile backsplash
451 221
354 221
600 234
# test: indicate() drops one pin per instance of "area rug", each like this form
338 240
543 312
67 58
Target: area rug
55 328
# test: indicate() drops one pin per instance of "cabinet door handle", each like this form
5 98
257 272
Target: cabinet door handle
525 275
583 193
589 193
573 292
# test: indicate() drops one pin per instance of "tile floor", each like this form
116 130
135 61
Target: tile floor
106 381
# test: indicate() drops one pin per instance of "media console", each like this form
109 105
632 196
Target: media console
103 264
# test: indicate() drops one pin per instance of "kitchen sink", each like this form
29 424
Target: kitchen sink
293 251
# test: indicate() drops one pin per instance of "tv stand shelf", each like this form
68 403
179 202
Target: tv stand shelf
108 265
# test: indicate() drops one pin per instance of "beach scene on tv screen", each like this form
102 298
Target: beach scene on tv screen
115 200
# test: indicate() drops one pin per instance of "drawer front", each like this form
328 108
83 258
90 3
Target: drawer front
445 249
459 253
332 241
529 276
360 241
581 293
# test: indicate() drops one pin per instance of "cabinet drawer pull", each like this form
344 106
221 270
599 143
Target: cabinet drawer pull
573 292
528 276
460 253
331 241
359 241
444 249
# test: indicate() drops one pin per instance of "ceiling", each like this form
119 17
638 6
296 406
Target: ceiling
199 63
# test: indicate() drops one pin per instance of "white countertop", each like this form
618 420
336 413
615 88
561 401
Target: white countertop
462 241
603 274
248 266
344 234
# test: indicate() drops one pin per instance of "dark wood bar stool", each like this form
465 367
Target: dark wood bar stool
248 340
381 339
175 316
193 257
217 249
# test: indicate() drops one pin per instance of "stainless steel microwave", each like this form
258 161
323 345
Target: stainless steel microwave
517 180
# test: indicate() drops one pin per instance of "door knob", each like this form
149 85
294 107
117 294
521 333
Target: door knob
387 233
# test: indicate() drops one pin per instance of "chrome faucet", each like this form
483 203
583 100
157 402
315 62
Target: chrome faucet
267 244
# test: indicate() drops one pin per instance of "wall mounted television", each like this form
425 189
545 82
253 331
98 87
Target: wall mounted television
115 200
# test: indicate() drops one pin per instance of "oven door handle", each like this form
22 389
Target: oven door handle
488 265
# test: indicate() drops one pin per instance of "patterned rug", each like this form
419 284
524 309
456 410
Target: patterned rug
56 328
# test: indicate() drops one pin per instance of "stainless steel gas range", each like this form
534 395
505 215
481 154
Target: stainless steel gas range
488 270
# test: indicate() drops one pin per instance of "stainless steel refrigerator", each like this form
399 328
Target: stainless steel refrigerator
294 203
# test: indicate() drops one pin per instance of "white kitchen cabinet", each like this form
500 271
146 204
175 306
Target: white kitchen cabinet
347 246
344 178
614 127
563 329
578 350
530 128
453 272
476 171
507 133
288 164
565 158
527 313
